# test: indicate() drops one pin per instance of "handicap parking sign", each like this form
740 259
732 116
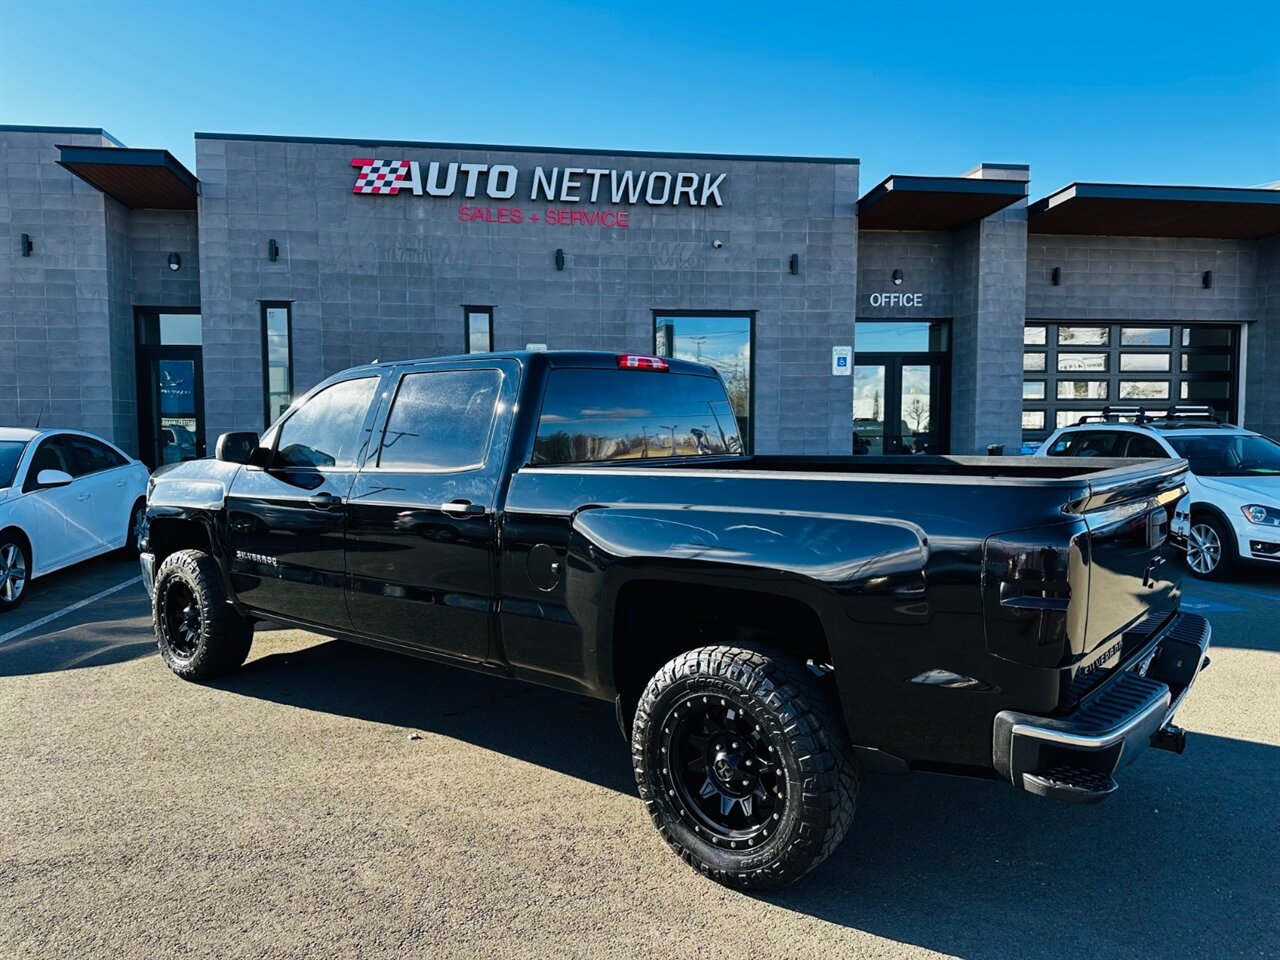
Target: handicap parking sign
841 357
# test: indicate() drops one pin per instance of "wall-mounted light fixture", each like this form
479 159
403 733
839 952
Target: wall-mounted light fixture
273 251
1055 276
795 263
559 259
897 278
175 262
1206 280
25 245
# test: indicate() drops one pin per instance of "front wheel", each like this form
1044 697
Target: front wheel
199 633
1210 548
15 571
744 765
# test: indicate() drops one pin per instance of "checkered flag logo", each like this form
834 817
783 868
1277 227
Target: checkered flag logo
386 176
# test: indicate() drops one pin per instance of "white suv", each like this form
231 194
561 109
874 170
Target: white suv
1233 511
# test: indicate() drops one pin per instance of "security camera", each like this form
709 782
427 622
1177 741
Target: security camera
717 244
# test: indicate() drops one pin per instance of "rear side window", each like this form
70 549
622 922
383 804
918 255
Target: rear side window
326 430
91 456
441 420
1140 446
594 415
1088 443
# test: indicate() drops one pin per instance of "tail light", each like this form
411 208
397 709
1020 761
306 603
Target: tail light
629 361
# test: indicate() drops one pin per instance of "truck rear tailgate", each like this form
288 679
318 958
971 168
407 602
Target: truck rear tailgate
1133 562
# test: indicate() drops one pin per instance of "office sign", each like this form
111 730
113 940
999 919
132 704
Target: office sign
896 299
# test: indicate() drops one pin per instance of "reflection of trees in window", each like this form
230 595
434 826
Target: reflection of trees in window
918 415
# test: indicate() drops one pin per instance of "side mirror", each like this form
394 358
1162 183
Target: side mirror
48 479
237 447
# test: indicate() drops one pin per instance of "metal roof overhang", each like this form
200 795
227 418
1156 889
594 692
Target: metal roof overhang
146 179
935 203
1131 210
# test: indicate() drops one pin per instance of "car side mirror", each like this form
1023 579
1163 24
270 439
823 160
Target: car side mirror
241 447
49 479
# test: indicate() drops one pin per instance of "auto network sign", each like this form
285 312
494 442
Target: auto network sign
544 185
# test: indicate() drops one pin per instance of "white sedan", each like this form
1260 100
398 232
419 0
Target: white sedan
65 496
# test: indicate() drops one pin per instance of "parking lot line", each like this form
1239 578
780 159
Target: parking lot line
48 618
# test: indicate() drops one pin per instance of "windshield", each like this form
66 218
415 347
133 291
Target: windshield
10 454
1230 455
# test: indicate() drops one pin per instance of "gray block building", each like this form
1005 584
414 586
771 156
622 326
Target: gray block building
160 307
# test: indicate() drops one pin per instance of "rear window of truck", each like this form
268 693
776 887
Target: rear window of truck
597 415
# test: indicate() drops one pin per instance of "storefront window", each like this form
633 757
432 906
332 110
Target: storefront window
277 358
1148 365
479 322
720 341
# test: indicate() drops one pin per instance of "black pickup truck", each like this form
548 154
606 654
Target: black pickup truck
765 625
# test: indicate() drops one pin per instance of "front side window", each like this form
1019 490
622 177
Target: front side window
592 415
441 420
326 431
723 343
54 453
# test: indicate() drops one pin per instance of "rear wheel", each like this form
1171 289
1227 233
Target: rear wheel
743 765
1211 550
133 537
199 633
15 570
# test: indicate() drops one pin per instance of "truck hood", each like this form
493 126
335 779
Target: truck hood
1245 489
193 483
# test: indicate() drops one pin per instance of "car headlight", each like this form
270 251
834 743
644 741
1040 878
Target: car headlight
1257 513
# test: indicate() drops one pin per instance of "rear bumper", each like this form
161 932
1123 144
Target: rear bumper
1075 757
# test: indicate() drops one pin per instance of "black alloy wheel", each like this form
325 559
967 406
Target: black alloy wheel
727 776
183 619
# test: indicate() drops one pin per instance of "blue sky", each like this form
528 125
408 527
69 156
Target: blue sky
1169 92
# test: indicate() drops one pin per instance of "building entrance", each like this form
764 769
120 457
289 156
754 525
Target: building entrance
170 388
901 388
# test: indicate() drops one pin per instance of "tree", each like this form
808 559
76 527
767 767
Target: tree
918 414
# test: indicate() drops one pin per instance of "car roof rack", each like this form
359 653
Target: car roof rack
1116 413
1179 413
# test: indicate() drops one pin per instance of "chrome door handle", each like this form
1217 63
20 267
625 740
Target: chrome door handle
463 508
324 501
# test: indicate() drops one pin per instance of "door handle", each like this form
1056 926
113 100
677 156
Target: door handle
83 496
463 508
324 501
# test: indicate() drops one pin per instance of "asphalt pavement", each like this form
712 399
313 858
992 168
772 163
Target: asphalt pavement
332 801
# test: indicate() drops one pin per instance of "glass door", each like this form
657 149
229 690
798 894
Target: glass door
170 404
899 405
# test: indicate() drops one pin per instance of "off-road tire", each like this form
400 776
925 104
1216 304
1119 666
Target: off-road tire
219 640
799 717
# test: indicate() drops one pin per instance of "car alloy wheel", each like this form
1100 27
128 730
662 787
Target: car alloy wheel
134 541
13 572
1204 549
